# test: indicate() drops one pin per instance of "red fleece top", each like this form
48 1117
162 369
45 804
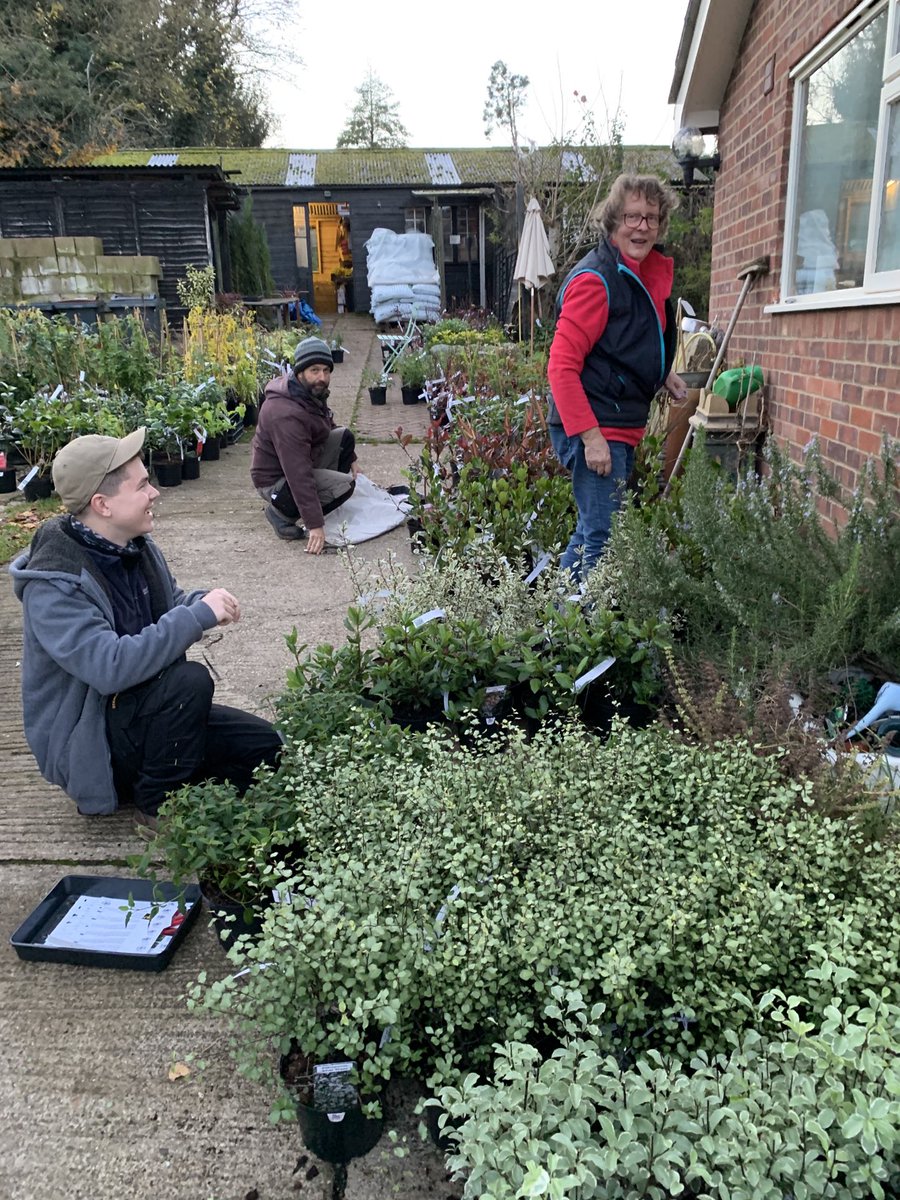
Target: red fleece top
581 323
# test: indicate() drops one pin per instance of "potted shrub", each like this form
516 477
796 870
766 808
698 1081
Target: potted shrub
39 425
413 370
337 348
214 419
376 382
206 830
163 441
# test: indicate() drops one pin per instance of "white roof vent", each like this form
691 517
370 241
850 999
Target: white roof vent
573 161
162 160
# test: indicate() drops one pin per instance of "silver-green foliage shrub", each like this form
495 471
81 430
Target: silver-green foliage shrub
445 891
790 1108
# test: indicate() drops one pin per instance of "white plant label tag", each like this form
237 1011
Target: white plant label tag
28 478
541 565
445 908
370 597
338 1068
58 392
434 614
594 673
81 376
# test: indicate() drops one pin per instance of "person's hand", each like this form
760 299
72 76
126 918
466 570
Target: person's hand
675 386
224 605
354 468
596 451
315 542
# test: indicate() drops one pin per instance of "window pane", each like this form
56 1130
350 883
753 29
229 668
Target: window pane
301 248
314 247
837 161
888 256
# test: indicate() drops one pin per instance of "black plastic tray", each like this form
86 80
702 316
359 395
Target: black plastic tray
28 940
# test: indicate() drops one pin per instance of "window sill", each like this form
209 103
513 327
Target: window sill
825 300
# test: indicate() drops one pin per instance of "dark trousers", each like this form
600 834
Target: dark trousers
167 732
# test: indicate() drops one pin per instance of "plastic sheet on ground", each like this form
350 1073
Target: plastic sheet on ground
370 512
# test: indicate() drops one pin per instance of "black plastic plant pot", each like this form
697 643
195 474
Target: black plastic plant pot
230 919
7 480
38 488
168 472
433 1114
378 395
337 355
410 395
190 467
210 451
251 415
334 1128
600 703
338 1137
417 720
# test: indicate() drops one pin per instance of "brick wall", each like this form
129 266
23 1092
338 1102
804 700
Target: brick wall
834 373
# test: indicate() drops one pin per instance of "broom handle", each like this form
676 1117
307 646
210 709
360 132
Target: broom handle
748 283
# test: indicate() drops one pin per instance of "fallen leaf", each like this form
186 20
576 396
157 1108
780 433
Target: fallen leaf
178 1070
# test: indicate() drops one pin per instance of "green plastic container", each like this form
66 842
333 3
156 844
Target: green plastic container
737 384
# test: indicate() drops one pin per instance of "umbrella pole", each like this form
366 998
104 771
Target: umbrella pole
532 320
519 307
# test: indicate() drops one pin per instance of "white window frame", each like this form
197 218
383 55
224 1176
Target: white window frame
881 287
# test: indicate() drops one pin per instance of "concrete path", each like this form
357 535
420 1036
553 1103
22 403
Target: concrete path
87 1111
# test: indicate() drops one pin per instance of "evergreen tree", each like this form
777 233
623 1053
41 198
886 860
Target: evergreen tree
248 248
374 123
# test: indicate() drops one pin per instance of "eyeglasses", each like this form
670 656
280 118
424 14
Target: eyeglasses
635 220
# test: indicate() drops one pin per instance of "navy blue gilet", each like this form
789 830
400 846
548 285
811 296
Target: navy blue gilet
628 365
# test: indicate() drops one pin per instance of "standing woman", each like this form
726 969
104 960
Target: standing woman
612 351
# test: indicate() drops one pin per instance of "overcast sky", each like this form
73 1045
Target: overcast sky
437 61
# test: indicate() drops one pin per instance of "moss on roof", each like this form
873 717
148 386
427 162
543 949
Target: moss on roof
352 168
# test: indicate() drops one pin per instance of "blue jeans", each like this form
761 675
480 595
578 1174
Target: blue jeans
597 498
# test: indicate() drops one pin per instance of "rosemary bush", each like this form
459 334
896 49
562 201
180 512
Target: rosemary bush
754 580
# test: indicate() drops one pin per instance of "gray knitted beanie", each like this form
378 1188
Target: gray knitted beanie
310 351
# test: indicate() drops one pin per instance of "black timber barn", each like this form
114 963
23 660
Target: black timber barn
176 213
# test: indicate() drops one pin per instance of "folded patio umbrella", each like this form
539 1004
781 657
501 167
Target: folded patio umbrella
534 265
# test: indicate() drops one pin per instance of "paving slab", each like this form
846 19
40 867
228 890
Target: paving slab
87 1111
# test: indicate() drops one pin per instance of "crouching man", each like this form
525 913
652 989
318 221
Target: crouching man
302 465
113 710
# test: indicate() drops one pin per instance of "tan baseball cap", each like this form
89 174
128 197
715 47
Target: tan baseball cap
80 467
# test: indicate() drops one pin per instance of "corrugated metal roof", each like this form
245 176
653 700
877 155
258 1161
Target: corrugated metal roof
359 168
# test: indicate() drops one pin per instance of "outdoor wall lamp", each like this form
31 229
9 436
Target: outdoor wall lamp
689 148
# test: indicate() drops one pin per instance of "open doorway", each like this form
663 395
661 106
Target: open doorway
330 256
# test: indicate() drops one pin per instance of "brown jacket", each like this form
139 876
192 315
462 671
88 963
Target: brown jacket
290 437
